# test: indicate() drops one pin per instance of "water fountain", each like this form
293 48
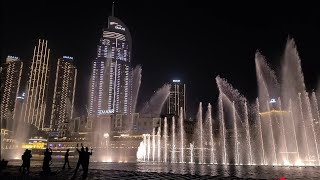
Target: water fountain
281 127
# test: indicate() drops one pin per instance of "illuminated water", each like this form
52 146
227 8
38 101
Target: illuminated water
280 128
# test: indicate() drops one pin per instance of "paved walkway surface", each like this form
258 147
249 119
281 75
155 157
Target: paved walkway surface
12 172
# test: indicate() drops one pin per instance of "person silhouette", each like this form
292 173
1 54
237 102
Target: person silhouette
46 161
80 160
28 159
25 161
66 160
86 161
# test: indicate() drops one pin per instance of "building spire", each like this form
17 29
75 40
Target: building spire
112 9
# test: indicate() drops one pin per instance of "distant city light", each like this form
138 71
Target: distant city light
67 57
273 101
108 111
13 57
176 80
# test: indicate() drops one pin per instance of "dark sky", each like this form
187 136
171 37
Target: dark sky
193 41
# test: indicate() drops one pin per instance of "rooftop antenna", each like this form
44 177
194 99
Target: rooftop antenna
112 9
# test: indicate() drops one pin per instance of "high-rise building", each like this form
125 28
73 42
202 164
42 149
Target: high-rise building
110 84
177 98
37 86
10 85
64 91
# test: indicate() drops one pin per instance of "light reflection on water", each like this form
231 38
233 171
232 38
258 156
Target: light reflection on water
255 172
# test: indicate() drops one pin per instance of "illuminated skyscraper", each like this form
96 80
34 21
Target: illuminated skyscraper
10 85
177 98
64 91
37 86
110 84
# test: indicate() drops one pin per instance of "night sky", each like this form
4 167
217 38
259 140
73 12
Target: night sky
193 42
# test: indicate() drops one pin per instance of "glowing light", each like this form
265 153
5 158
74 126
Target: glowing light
106 159
105 135
299 163
273 101
109 111
176 80
272 111
13 57
67 57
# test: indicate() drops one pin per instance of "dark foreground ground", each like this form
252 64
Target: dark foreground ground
134 170
12 173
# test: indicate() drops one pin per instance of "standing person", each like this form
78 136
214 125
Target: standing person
80 160
86 161
27 160
46 161
23 158
66 160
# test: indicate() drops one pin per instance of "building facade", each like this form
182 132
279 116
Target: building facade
64 92
110 83
177 98
37 86
10 86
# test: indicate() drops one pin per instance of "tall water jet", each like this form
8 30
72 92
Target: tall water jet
235 128
294 130
173 141
311 119
153 144
268 87
272 134
165 140
136 78
159 144
154 106
304 126
292 83
283 132
181 136
149 148
144 147
222 130
260 132
200 134
209 122
136 82
191 152
248 132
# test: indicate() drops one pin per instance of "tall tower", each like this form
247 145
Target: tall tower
10 85
35 105
110 84
177 98
64 91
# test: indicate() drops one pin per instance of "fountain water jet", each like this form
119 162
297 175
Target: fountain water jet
181 136
165 140
209 122
248 132
153 144
173 141
236 135
159 144
257 134
200 127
